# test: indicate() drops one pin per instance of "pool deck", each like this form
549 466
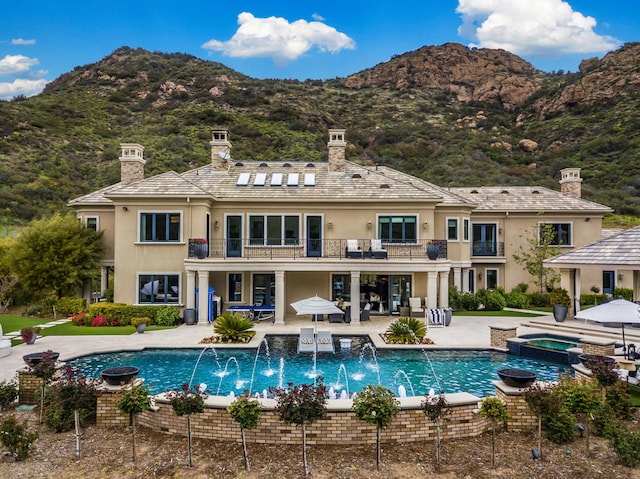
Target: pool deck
465 332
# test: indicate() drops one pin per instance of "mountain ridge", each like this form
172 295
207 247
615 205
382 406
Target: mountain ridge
448 114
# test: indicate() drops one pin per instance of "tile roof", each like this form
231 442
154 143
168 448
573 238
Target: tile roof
620 250
526 198
356 183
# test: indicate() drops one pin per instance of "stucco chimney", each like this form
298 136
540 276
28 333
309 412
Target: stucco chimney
337 146
220 149
131 163
571 182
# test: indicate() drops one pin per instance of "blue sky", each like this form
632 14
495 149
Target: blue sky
42 39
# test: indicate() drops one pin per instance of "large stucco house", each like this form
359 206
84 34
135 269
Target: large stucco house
277 232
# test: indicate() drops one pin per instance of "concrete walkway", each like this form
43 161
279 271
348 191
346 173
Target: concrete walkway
465 332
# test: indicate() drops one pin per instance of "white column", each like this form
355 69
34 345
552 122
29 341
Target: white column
190 291
457 277
203 295
104 279
432 289
280 304
465 279
576 291
355 298
444 290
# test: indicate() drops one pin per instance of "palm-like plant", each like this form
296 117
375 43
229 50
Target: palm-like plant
406 330
233 327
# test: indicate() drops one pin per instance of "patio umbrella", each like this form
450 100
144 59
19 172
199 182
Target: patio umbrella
619 311
315 305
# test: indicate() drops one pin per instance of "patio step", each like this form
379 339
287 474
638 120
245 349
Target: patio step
631 334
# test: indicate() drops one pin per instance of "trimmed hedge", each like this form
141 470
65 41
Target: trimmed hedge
69 305
124 313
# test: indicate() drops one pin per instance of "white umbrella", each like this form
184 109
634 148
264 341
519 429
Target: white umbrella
619 311
315 305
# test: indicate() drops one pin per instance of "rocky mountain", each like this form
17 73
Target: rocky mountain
448 114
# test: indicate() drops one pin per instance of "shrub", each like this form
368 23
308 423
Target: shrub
139 321
539 300
72 392
406 331
559 296
593 299
99 321
167 316
521 288
34 310
516 299
469 301
233 327
16 438
624 293
494 301
68 306
8 393
561 427
627 446
80 319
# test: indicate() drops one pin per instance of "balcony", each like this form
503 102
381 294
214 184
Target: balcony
487 248
318 248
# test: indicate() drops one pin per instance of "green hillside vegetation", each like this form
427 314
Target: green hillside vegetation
65 142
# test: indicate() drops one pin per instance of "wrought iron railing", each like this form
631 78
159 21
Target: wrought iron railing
322 248
487 248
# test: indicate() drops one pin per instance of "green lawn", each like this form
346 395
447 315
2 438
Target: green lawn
15 323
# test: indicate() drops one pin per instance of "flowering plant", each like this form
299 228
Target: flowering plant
200 240
595 289
79 319
99 321
28 332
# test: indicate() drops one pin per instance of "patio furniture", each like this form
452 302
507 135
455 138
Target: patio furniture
415 305
377 251
353 250
306 341
435 317
5 345
325 342
365 314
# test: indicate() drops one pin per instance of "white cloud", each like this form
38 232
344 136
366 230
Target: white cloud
22 41
21 86
536 28
276 38
12 64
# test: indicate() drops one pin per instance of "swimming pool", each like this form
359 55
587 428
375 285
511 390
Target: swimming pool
350 370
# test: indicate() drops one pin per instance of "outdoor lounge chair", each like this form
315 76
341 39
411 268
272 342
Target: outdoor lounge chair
306 341
353 250
416 306
325 342
377 251
365 314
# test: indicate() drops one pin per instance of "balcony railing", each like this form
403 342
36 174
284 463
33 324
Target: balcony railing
487 248
319 248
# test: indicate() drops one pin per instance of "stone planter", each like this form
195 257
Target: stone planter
560 312
141 328
590 360
517 378
190 316
119 376
201 250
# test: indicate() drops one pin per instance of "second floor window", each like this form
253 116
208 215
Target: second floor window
274 230
397 229
452 229
160 227
559 233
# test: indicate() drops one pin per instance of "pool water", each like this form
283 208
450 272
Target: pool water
555 344
350 370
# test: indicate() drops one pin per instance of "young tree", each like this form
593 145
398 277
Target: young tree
582 399
301 405
133 401
45 369
186 402
246 412
540 240
376 405
55 256
542 400
495 410
435 408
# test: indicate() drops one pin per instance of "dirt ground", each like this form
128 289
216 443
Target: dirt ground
107 453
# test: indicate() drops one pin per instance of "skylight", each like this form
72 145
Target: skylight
260 179
276 179
309 179
243 179
292 179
